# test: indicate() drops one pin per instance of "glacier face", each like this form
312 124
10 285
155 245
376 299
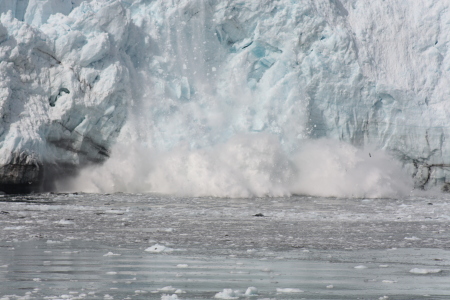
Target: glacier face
63 97
197 74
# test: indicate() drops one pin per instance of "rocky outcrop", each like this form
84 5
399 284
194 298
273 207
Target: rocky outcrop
22 174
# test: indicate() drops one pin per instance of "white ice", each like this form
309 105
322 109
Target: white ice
157 248
222 98
424 271
289 290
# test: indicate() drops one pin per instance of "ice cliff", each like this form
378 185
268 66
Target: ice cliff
80 77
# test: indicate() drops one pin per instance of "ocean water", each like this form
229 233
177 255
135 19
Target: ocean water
146 246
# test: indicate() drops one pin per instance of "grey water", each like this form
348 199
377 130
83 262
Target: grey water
142 246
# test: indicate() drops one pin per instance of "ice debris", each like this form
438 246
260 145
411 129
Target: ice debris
111 254
360 267
289 290
228 294
424 271
157 248
169 297
235 294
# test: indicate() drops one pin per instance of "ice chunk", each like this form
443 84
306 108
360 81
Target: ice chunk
111 254
64 222
251 291
228 294
360 267
95 49
167 289
424 271
289 290
157 248
169 297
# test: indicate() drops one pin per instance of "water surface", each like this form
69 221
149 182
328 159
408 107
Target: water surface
89 246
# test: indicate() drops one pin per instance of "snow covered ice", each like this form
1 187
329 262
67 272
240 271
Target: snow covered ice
167 81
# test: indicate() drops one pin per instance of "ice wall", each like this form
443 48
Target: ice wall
64 92
194 75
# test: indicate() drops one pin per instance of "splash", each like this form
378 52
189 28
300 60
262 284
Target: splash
249 165
244 99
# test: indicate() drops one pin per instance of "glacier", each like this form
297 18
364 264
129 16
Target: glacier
224 98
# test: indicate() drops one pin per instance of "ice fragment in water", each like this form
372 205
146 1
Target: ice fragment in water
251 291
425 271
228 294
169 297
360 267
167 289
157 248
111 254
289 290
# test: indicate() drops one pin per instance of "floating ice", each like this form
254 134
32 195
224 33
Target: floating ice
425 271
53 242
14 227
360 267
412 238
167 289
64 222
389 281
251 291
111 254
228 294
289 290
157 248
169 297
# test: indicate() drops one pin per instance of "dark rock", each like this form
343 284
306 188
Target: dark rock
25 173
22 174
446 187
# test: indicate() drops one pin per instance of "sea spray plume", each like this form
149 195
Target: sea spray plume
251 165
247 165
335 169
